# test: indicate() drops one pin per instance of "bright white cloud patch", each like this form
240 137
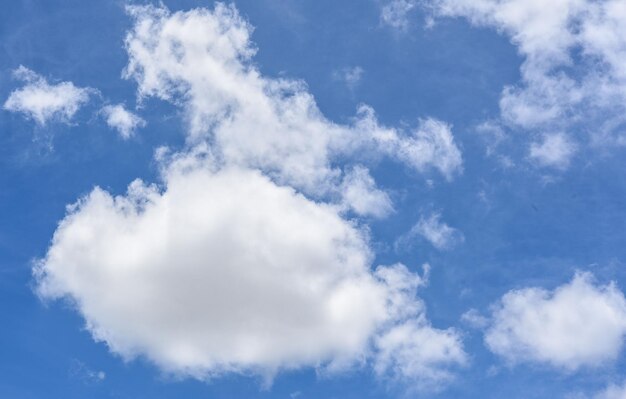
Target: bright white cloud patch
230 265
124 121
573 73
224 271
361 195
43 101
201 60
578 324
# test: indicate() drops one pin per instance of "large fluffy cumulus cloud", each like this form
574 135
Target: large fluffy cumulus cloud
243 259
223 270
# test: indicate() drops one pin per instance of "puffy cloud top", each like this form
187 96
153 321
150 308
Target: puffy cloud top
578 324
226 271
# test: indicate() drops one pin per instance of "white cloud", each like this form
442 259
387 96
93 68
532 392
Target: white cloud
242 260
220 273
395 13
432 146
578 324
574 53
42 101
124 121
438 233
360 194
416 352
201 60
612 392
225 271
410 351
556 150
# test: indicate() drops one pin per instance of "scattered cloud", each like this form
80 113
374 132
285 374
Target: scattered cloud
201 61
556 150
573 74
82 372
395 13
418 353
578 324
360 194
433 146
42 101
436 232
124 121
350 76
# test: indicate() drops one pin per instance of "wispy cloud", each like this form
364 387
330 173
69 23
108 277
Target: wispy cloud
433 230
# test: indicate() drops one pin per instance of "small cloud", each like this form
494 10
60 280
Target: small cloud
360 194
42 101
416 352
118 117
81 371
350 76
578 324
474 319
395 13
438 233
555 151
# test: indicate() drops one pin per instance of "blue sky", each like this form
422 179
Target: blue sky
290 199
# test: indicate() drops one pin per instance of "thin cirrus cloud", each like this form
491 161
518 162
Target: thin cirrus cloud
578 324
220 274
42 101
119 118
558 41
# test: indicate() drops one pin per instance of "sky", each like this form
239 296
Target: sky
313 199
